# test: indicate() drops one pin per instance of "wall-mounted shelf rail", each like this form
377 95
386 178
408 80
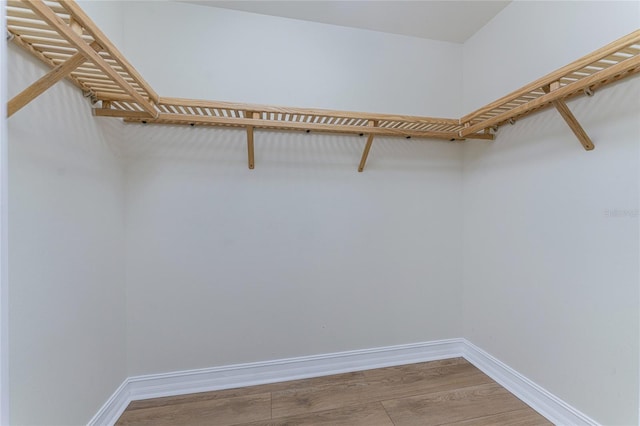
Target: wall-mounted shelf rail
610 63
190 111
60 34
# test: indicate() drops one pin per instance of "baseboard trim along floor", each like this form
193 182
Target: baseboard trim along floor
256 373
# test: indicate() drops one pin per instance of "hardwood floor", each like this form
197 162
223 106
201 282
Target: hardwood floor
447 392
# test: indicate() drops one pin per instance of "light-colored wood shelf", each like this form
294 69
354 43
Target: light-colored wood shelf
61 35
189 111
615 61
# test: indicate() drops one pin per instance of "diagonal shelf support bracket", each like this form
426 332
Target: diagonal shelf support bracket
569 118
251 159
46 81
367 147
40 8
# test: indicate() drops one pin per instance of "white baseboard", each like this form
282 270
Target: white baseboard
538 398
111 411
240 375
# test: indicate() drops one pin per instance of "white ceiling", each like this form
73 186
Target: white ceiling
453 21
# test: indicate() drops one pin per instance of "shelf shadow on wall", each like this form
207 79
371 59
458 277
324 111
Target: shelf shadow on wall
602 117
227 148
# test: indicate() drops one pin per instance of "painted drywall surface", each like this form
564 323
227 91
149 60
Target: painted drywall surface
4 294
551 231
200 52
66 244
529 39
301 256
108 15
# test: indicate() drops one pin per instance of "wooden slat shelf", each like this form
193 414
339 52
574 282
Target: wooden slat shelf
612 62
188 111
61 35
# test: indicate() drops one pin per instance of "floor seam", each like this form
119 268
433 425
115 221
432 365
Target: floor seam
354 404
485 416
437 391
387 413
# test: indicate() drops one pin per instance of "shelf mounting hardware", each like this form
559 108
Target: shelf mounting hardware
569 118
251 160
367 147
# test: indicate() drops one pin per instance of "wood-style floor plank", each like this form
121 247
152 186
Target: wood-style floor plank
202 396
524 417
219 412
379 385
372 414
448 392
453 405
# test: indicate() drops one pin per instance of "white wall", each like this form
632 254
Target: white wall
502 57
222 54
4 294
108 15
66 265
551 279
301 256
